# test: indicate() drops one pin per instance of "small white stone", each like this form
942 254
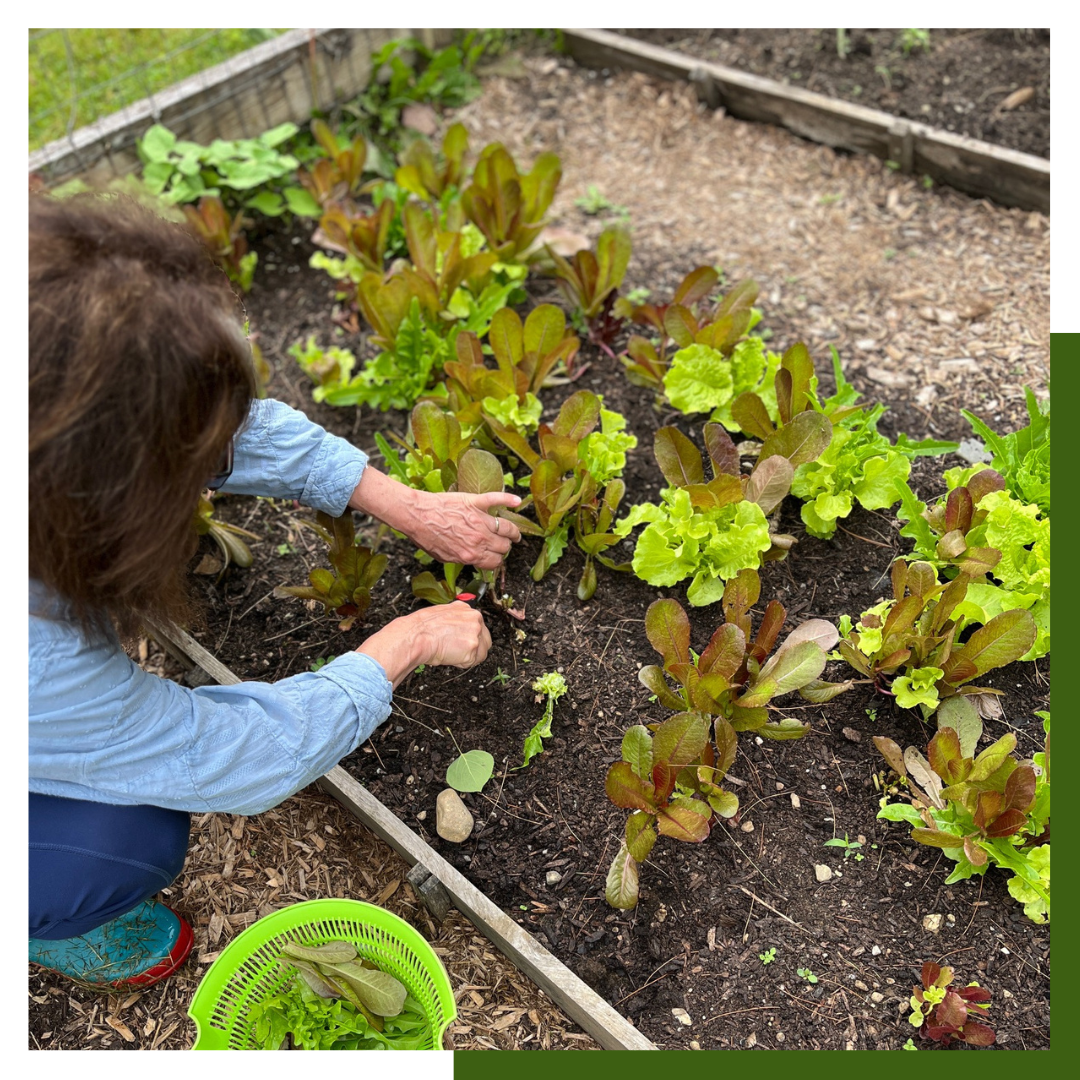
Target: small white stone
553 877
876 998
694 1044
860 985
876 950
795 804
932 922
747 826
453 821
780 1036
822 872
682 1016
422 816
751 1040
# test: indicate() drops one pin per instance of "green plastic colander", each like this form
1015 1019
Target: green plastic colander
247 971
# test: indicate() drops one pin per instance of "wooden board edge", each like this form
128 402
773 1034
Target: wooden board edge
973 166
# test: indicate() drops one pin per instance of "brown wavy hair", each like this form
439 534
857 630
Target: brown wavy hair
139 377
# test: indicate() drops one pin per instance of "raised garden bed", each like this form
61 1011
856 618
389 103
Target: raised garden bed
882 289
708 911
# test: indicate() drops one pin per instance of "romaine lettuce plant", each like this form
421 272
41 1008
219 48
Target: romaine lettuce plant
909 647
565 486
590 281
980 810
423 176
670 779
736 676
431 457
508 206
709 531
670 773
332 180
1001 544
223 235
346 587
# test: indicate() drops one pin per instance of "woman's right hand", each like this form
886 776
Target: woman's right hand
445 634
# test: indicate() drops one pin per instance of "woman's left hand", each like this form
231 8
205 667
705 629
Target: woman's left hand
451 526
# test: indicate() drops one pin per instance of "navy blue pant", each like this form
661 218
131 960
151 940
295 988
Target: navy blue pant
91 862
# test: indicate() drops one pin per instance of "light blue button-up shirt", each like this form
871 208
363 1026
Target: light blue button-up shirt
103 729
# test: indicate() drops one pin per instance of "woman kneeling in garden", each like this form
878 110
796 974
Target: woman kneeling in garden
141 395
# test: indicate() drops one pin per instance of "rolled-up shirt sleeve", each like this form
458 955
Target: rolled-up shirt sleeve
103 729
282 454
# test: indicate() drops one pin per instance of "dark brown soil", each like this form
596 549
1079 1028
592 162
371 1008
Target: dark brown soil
958 84
707 911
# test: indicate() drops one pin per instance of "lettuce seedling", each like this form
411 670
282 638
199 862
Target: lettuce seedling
943 1014
551 686
226 536
909 647
346 588
736 676
709 531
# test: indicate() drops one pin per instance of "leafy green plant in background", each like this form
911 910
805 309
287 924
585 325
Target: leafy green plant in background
595 203
346 587
223 235
325 367
768 956
406 73
980 810
807 974
1022 457
181 171
549 688
508 206
910 647
912 40
710 531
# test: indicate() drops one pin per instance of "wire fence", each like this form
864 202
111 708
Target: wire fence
79 75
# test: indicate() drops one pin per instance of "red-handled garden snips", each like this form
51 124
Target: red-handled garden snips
473 598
